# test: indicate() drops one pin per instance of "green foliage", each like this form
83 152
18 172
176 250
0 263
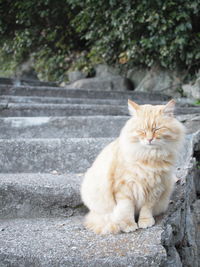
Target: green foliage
146 32
53 67
198 165
39 27
50 66
125 32
8 65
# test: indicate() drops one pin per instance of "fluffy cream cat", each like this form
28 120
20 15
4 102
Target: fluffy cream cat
134 174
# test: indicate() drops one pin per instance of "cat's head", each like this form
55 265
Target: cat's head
154 125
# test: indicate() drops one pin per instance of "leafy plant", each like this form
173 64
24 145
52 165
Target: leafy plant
124 32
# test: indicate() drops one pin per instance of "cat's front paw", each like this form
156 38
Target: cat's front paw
109 228
146 222
128 226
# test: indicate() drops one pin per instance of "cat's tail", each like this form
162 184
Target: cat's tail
101 223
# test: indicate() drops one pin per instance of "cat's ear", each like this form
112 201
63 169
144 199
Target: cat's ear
133 107
169 108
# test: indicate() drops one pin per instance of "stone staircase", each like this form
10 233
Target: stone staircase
49 136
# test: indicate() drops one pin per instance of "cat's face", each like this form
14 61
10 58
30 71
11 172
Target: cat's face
153 126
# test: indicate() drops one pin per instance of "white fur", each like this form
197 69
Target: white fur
118 185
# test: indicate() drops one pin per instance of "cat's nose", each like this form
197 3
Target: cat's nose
149 140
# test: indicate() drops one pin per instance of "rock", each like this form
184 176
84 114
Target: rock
107 79
192 123
115 83
76 75
136 75
103 70
161 80
26 71
192 91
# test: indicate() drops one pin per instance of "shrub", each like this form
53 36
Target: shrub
124 32
39 26
143 32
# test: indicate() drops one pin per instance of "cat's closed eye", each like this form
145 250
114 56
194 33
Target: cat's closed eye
157 129
143 131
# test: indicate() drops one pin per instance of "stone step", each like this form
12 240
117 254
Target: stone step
46 155
60 100
40 195
63 155
65 242
74 127
79 93
49 194
41 110
61 127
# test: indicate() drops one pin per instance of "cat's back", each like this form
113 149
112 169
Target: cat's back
96 189
107 156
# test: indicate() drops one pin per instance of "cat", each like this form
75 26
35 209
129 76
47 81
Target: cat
134 175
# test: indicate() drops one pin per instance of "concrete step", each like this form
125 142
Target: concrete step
61 100
46 155
40 195
61 127
44 242
41 110
64 155
50 194
65 242
74 127
79 93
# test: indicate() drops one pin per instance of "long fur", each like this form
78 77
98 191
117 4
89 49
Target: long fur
134 174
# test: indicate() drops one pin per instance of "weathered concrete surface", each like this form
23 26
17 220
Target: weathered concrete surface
39 195
78 93
32 110
61 127
71 127
65 242
61 100
173 241
180 237
46 155
50 194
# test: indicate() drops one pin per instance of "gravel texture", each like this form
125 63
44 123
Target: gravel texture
65 242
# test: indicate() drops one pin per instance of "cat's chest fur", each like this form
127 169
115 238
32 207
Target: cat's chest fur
144 177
